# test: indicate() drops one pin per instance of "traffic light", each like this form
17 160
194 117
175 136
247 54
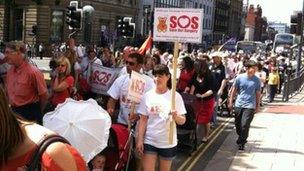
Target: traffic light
121 27
34 30
74 17
129 30
293 24
125 27
300 25
296 24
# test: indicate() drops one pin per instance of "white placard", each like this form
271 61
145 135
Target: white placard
136 87
102 78
178 24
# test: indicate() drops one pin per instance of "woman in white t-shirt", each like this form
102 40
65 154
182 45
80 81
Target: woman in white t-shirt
154 123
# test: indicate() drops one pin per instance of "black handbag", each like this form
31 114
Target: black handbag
34 163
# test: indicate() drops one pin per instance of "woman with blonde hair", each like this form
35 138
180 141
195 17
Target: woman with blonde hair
62 83
76 70
19 140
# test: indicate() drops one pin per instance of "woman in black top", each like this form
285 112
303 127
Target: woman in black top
202 85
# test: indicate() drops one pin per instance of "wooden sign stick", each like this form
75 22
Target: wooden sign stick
173 78
132 110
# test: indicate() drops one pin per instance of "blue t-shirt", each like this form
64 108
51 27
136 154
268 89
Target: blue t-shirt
246 88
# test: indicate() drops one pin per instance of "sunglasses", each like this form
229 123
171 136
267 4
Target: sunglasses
60 65
8 52
130 63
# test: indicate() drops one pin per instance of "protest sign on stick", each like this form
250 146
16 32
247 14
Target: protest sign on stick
177 25
135 91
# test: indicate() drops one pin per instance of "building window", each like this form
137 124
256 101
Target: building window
206 24
56 26
18 25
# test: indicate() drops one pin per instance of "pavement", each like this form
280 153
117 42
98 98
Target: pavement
275 142
43 65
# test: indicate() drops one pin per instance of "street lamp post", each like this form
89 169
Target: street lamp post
299 60
88 11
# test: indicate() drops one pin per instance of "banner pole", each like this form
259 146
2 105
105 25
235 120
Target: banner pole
174 65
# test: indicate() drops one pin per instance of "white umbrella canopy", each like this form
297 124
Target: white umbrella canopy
83 123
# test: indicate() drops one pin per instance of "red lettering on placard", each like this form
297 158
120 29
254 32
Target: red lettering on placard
194 21
94 77
138 86
173 22
183 21
101 77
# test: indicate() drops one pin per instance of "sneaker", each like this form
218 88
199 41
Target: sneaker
204 140
241 147
238 142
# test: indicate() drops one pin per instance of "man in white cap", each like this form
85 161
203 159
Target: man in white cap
219 72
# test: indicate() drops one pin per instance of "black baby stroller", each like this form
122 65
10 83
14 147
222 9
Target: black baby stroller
186 133
222 108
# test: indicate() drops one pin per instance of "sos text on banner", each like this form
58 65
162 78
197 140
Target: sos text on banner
102 78
136 87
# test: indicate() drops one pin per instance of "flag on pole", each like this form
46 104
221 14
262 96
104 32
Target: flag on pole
146 46
231 40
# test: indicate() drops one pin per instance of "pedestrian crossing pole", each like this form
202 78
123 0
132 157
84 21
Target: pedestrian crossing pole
174 65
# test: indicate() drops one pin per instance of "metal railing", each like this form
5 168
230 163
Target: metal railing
292 84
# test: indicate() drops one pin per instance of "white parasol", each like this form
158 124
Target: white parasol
83 123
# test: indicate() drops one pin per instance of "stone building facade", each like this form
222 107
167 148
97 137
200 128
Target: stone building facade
221 20
18 18
235 17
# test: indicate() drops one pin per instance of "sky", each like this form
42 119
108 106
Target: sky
278 10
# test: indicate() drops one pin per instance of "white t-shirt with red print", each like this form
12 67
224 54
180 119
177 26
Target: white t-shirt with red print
157 107
119 90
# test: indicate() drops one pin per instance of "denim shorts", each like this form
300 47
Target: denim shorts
163 153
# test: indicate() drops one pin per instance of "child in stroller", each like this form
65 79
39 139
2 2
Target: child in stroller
98 162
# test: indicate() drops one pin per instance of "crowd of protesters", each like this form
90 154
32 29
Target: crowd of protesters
206 75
